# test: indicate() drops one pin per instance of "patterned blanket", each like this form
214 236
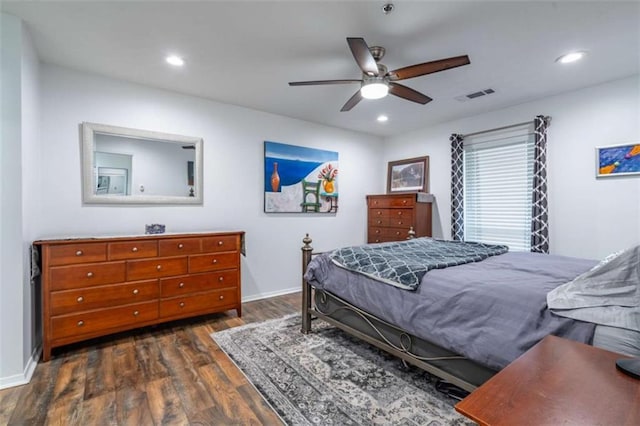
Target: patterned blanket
404 263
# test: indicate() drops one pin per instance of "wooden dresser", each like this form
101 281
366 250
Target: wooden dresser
390 216
98 286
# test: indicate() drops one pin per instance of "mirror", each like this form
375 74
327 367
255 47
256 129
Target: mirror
132 166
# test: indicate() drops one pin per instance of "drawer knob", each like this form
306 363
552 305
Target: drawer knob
159 267
182 304
220 279
379 213
180 245
219 243
136 313
214 261
399 213
135 249
89 274
181 285
379 222
80 323
404 201
79 253
221 297
136 291
377 241
377 231
397 232
80 299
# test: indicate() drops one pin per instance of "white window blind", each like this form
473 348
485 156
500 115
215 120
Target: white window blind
498 181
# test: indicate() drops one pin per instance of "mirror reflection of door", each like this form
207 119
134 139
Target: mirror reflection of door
113 173
112 181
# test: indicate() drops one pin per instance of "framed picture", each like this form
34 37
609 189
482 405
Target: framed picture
299 179
411 175
618 160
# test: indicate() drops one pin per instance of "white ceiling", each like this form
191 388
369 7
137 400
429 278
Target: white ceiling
245 53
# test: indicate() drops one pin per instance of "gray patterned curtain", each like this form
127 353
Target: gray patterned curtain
457 188
539 214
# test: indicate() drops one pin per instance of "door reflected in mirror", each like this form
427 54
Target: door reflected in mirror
132 166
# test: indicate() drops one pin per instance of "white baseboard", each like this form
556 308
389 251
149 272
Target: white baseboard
25 377
271 294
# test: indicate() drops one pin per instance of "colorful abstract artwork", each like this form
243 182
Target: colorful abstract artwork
618 160
298 179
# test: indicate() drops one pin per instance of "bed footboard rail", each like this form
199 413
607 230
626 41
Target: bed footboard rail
307 252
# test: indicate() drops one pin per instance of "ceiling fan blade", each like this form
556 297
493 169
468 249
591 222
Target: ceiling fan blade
362 55
408 93
353 101
428 67
318 82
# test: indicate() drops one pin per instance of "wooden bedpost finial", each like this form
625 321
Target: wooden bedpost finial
412 234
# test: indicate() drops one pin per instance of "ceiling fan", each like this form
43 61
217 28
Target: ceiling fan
377 81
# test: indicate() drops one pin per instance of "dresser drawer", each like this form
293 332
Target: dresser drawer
378 220
88 322
67 254
170 287
179 246
68 277
404 220
202 302
221 243
156 268
408 200
213 262
380 235
84 299
133 250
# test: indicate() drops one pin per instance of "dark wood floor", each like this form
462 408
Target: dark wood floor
164 375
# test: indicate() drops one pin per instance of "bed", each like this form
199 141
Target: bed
463 323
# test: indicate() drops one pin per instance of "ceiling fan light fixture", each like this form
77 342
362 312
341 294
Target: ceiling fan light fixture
175 60
374 89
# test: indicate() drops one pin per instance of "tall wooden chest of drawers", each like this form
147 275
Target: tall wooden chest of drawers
98 286
390 216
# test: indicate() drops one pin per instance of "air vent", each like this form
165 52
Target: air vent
474 95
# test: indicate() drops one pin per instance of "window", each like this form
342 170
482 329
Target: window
498 181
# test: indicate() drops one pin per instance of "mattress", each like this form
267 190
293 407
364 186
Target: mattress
490 311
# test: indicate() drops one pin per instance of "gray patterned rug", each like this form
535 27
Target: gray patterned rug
328 377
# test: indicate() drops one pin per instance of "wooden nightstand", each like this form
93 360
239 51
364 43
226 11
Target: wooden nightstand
557 382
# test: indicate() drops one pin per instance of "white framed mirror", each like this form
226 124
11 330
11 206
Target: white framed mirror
132 166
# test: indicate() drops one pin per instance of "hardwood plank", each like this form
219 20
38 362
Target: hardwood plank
150 359
167 374
70 379
8 400
69 414
35 398
191 390
260 408
231 372
164 403
227 398
100 410
100 378
132 407
194 353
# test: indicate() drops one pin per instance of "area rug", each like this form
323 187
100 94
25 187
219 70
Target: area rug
328 377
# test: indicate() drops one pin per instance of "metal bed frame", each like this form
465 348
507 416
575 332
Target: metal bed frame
442 363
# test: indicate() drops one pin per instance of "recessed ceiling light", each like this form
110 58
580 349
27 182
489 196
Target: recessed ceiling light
570 57
382 118
175 60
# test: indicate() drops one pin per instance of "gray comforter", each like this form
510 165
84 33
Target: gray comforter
490 311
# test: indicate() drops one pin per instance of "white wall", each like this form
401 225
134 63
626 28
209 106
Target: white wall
20 127
233 173
589 217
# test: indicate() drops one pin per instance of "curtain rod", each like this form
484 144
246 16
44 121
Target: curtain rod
497 128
